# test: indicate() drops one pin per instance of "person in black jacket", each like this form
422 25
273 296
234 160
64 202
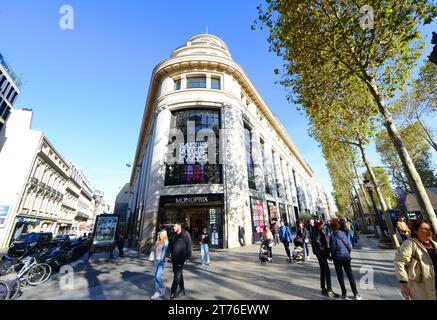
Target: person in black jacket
321 250
179 250
302 235
204 241
341 248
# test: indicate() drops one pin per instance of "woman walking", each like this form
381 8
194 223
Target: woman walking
341 248
159 249
204 240
416 263
321 250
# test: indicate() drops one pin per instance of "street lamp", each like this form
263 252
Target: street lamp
369 188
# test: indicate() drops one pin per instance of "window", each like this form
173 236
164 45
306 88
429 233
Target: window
6 114
276 174
249 158
196 82
193 173
215 83
177 84
2 107
266 177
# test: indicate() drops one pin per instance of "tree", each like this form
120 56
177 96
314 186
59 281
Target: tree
344 116
419 104
384 183
419 150
433 56
314 35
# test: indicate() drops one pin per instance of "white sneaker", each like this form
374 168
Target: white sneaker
162 292
155 295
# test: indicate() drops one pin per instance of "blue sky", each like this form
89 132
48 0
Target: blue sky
88 86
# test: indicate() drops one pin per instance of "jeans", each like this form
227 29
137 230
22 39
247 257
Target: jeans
346 265
158 269
204 256
325 273
350 238
276 237
306 251
120 249
178 279
287 247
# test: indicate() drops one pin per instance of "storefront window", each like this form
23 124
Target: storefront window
193 173
273 211
258 223
283 212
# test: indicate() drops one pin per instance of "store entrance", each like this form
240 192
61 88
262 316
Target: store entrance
196 216
196 220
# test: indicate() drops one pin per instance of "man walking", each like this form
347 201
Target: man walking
179 250
285 237
311 229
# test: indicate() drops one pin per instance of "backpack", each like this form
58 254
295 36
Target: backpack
347 226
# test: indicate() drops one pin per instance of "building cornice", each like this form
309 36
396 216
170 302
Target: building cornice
208 62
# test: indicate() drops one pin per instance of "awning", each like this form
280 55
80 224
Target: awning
82 215
27 220
413 205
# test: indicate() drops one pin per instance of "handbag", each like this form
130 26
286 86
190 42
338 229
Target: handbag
152 255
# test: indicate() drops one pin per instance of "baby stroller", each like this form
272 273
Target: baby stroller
298 254
264 253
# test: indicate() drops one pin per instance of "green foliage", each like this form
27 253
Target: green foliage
303 215
311 34
419 151
384 184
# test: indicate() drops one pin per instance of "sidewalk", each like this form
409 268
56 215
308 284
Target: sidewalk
233 274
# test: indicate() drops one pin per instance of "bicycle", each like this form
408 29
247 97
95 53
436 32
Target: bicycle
4 290
29 271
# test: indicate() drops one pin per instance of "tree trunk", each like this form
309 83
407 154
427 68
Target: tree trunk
429 138
410 170
391 231
360 210
360 202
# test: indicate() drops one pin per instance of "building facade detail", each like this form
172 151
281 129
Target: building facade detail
260 175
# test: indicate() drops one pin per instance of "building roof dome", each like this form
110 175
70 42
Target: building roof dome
203 44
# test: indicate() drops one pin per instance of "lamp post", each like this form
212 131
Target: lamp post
360 209
369 188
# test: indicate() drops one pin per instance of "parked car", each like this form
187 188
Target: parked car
31 240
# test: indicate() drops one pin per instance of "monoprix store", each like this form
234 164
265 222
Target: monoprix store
197 212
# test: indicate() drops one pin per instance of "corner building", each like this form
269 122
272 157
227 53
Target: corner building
259 173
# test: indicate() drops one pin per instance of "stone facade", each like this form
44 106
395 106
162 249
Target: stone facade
202 76
40 190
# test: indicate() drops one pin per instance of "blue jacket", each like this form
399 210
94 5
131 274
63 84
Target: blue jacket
340 247
284 234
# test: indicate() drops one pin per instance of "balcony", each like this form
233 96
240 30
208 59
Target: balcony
17 79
